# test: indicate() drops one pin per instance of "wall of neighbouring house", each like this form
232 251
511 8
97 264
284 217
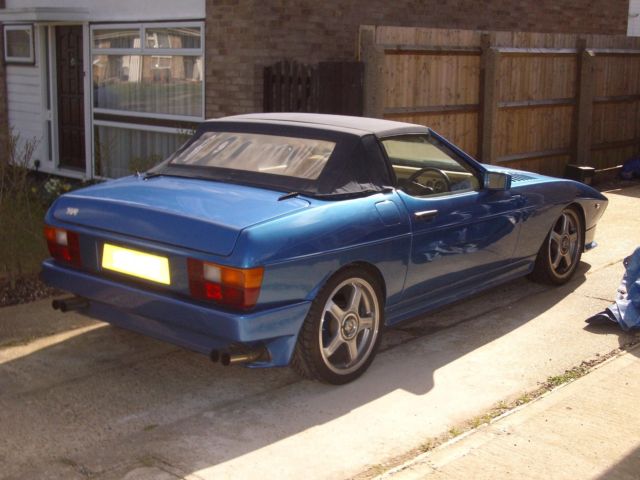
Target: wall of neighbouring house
243 36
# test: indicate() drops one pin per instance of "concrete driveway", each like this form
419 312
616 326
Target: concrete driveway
83 399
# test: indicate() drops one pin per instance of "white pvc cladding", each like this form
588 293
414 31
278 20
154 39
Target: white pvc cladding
27 95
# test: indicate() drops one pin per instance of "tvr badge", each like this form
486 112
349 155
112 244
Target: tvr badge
72 211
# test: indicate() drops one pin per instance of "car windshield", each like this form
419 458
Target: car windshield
253 152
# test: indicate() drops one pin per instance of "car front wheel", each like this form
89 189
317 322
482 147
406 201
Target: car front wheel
341 333
561 251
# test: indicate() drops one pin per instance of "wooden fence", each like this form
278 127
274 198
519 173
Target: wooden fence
526 100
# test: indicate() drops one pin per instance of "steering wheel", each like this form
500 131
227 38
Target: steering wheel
436 185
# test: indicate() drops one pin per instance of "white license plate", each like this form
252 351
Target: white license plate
135 263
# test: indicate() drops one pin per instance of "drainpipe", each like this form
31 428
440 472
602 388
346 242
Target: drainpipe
4 115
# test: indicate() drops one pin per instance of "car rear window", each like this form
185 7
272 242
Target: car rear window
254 152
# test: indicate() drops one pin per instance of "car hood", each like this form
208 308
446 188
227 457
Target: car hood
196 214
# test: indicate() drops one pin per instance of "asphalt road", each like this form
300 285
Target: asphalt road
83 399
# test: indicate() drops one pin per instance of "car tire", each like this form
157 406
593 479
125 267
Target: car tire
561 250
341 333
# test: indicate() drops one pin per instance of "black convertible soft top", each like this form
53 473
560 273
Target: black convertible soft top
356 166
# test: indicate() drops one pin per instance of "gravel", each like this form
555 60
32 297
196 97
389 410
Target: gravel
26 289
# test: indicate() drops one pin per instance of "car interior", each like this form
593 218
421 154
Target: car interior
423 167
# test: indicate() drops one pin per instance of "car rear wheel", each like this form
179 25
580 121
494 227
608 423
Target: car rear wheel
560 253
341 333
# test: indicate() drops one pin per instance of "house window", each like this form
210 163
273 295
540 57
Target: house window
144 74
18 44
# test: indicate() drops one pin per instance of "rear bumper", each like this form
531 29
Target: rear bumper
179 321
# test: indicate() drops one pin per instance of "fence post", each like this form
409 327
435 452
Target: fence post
488 98
584 106
373 58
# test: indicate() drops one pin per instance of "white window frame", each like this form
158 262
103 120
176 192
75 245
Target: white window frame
31 59
143 50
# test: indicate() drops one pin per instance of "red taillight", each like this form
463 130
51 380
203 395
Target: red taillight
63 245
231 287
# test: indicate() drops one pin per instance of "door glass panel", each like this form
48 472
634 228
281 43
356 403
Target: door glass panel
70 92
425 166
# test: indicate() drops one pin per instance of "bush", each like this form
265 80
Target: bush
22 247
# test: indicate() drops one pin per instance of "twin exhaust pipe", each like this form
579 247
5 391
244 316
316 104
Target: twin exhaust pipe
237 354
70 304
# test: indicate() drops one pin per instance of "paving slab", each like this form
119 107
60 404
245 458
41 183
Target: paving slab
588 429
80 398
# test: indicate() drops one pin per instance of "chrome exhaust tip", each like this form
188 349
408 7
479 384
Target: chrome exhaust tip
246 356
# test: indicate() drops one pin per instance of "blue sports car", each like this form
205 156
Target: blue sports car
277 239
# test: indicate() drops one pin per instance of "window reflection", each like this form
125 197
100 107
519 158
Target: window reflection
166 84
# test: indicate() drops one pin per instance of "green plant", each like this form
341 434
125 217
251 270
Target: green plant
53 188
21 211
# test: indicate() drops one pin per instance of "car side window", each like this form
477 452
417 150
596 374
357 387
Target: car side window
424 166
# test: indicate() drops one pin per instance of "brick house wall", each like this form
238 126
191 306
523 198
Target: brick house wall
243 36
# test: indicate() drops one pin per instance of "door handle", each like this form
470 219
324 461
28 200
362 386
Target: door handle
426 214
519 200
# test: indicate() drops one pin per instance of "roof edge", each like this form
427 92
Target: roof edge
357 125
43 14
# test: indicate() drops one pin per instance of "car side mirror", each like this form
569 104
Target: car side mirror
497 181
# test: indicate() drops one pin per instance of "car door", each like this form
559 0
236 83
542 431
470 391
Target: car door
463 234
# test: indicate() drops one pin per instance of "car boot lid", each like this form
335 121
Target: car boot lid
191 213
